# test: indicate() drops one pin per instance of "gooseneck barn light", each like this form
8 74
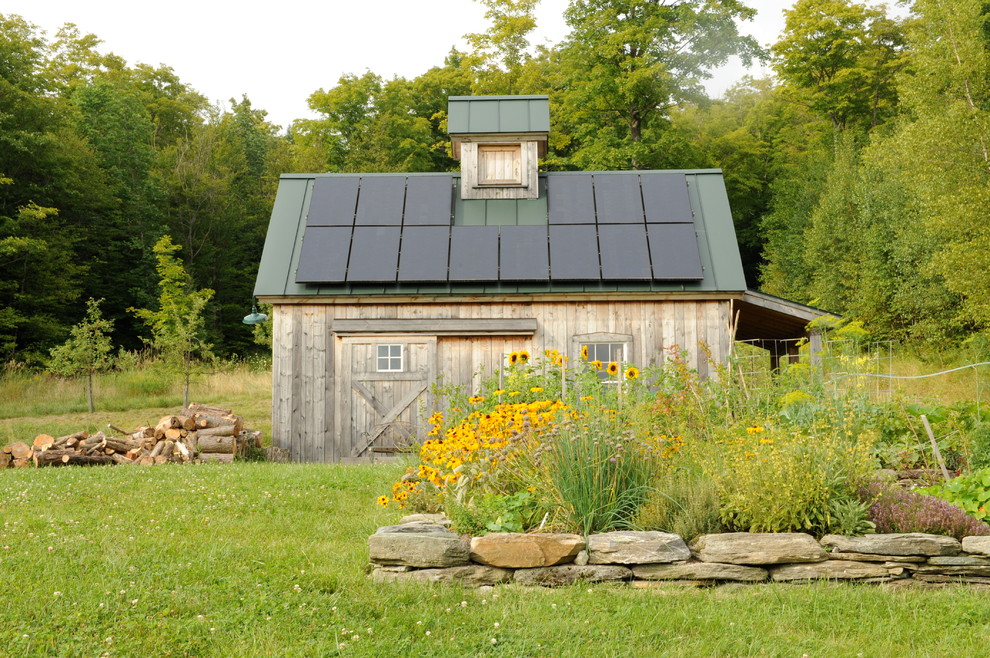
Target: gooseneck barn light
254 317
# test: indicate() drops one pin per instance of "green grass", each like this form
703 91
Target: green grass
269 559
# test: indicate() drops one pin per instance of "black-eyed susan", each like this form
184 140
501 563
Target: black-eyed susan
632 372
476 399
383 501
584 352
536 389
523 356
513 358
613 368
596 364
499 391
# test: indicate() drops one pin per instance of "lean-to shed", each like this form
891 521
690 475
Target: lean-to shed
380 283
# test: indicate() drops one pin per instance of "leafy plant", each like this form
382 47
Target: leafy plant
850 517
970 492
684 502
517 512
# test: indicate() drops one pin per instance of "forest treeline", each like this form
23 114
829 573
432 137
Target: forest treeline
858 173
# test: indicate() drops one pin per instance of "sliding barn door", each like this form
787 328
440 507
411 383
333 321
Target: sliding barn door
382 383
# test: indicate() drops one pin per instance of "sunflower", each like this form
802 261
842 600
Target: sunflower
596 364
613 368
524 356
584 352
514 358
632 373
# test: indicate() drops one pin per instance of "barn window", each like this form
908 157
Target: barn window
500 164
390 358
605 353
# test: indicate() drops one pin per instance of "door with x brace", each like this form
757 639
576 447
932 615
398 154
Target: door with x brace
383 380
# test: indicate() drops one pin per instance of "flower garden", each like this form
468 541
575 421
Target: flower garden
556 445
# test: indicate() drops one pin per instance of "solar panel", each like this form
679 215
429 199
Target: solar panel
428 201
323 256
424 252
374 253
570 199
333 202
523 253
674 251
618 199
624 251
380 200
574 253
665 197
474 253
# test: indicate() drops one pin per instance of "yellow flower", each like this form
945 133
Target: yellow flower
587 398
524 356
632 373
476 399
597 365
757 429
536 389
383 501
499 391
584 352
613 368
513 393
513 358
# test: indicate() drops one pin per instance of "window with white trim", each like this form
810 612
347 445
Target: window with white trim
389 357
605 354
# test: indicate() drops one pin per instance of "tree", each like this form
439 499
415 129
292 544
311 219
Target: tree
499 54
87 351
177 325
629 61
840 59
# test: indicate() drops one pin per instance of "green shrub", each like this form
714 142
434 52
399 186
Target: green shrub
894 509
517 512
683 502
779 481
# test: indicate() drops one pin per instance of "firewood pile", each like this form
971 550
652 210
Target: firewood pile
200 433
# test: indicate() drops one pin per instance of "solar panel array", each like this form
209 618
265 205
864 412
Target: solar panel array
615 227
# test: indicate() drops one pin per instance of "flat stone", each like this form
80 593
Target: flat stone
568 574
524 551
629 547
474 575
436 519
699 571
665 585
959 561
910 543
418 550
758 548
977 545
940 578
415 528
581 558
831 570
983 571
867 557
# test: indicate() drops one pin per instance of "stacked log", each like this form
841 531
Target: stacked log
199 433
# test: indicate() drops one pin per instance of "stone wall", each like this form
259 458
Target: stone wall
425 550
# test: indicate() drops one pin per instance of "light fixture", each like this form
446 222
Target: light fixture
254 317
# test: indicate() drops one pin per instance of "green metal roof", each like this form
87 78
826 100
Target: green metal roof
718 250
498 114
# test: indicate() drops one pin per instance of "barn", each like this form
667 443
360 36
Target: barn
381 283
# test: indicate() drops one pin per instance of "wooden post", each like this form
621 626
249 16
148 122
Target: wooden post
815 346
938 454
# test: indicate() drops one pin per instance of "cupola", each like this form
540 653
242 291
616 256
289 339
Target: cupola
499 141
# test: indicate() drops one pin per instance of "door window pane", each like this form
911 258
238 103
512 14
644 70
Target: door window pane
389 358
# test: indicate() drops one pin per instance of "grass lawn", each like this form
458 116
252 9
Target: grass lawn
268 559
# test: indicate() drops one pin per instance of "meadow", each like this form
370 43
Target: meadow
270 559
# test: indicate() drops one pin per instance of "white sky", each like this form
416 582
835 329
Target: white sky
279 54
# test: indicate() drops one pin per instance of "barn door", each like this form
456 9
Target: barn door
382 382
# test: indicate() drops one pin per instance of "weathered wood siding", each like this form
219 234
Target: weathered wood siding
305 398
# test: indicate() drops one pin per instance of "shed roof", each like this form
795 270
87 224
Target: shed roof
411 234
498 114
